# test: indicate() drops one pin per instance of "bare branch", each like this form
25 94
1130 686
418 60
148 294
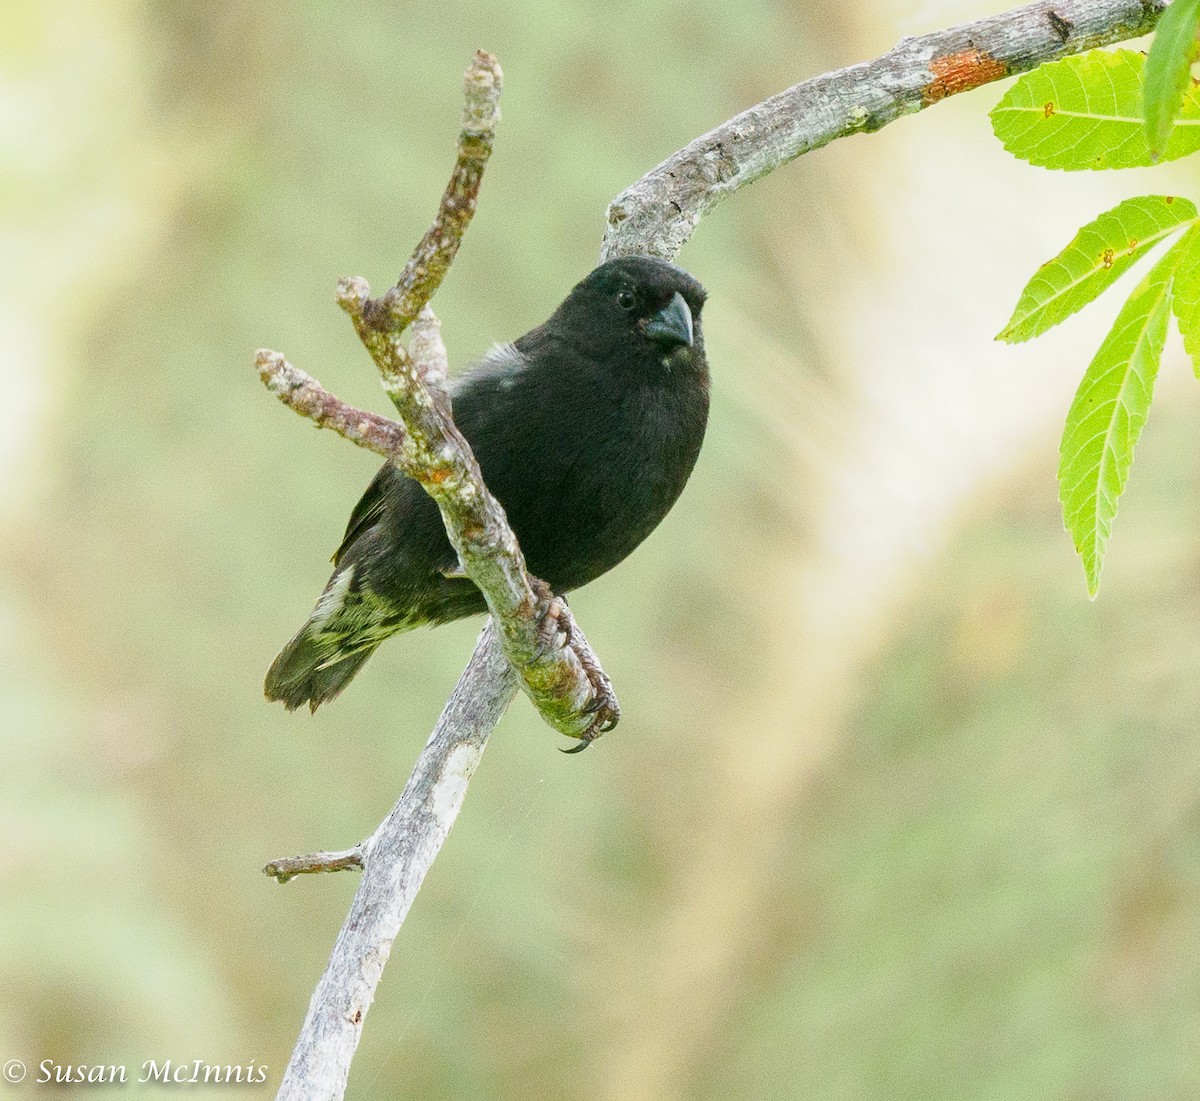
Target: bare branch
657 214
395 860
429 353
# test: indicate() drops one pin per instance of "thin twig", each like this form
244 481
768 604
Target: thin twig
288 867
432 257
303 393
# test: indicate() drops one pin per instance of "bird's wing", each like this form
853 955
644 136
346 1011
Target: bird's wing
478 387
368 511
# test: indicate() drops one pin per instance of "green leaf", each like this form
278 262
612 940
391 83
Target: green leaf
1086 112
1108 413
1101 252
1168 70
1185 295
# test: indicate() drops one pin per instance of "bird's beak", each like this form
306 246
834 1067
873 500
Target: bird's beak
672 324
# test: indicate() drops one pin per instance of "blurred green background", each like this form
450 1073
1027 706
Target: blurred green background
893 812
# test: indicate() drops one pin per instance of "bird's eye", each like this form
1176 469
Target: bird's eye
626 300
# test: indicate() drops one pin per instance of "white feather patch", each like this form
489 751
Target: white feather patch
501 362
332 599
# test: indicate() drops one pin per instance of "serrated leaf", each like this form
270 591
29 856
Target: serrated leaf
1185 294
1107 416
1168 69
1085 112
1099 254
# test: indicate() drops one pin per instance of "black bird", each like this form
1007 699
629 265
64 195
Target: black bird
586 430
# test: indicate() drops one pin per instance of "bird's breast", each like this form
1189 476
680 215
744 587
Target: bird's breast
599 480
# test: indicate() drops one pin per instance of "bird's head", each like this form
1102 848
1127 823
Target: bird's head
640 312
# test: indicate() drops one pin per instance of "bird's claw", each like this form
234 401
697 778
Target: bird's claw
603 706
557 632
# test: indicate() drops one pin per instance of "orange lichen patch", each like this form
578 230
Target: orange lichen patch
439 474
961 72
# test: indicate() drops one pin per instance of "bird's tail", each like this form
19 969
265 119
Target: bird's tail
323 656
302 673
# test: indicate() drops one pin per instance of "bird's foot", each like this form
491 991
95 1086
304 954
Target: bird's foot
557 632
604 708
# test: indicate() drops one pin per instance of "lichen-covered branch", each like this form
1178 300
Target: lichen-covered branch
303 393
658 213
432 257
